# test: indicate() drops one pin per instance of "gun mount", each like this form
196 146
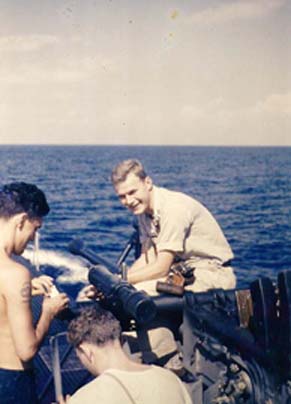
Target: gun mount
120 297
236 343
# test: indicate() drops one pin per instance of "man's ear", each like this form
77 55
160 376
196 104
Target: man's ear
86 350
20 219
149 183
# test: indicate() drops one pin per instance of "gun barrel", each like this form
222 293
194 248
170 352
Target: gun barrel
137 304
77 247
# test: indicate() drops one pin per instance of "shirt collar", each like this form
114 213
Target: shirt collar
155 217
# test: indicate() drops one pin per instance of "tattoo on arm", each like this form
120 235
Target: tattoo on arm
25 291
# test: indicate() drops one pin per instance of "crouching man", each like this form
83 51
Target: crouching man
22 207
95 334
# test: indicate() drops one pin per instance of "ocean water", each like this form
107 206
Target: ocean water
248 190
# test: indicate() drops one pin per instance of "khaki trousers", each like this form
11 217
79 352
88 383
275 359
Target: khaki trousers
209 274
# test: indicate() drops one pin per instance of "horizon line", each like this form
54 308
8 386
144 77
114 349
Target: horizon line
134 145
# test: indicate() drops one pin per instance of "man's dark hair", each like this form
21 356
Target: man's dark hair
19 197
94 325
126 167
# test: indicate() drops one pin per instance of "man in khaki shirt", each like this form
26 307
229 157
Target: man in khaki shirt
22 207
173 227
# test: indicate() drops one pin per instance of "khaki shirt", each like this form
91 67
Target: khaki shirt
184 226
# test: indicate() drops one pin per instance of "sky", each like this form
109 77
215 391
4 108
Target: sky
184 72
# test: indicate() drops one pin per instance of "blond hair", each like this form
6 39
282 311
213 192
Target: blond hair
126 167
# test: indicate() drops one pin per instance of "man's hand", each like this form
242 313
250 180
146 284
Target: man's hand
41 285
89 292
54 305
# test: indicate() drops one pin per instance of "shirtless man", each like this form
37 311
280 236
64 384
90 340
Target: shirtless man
22 207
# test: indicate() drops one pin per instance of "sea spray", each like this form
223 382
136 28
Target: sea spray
74 269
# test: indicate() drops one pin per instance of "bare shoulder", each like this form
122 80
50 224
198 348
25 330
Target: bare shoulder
14 277
10 267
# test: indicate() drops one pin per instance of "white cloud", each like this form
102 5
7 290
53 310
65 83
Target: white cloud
63 70
36 76
275 104
26 43
266 122
236 10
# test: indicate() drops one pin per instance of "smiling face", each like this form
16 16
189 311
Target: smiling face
135 194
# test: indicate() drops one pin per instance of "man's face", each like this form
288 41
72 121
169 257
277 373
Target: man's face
135 194
26 233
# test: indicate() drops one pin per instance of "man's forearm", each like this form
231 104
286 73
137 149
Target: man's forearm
139 274
43 325
27 350
157 268
138 264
